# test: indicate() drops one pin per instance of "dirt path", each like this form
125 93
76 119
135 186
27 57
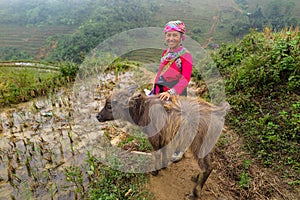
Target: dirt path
174 182
212 28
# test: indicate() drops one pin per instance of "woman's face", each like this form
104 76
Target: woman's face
173 39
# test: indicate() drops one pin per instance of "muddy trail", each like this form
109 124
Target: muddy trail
41 138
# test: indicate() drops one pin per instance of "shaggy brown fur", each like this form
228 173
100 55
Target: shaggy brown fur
171 125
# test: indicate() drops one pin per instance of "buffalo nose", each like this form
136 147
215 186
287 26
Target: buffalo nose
99 117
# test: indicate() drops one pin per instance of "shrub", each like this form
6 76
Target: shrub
262 78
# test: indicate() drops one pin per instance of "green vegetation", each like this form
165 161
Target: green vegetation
262 76
110 18
13 53
47 12
20 83
276 14
108 183
245 179
95 21
136 140
26 42
112 184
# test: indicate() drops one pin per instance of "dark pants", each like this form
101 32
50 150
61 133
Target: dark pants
161 83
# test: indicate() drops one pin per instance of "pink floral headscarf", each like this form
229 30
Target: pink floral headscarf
175 26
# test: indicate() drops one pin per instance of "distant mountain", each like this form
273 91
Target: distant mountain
208 22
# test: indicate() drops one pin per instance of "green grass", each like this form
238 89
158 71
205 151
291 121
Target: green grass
112 184
19 85
22 83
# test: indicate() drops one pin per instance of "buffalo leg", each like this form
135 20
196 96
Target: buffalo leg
155 142
201 178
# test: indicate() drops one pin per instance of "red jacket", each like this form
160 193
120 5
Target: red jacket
178 73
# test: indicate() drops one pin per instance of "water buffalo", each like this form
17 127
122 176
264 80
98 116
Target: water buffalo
194 123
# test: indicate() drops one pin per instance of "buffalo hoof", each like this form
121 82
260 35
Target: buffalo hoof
191 197
154 173
195 178
176 157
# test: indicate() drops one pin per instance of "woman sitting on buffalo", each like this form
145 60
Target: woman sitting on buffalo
175 70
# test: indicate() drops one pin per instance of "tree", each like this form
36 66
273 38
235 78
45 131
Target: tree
279 13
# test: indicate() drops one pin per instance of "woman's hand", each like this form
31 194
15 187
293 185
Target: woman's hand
164 96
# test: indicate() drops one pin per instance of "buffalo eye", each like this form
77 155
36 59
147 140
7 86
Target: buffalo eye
108 107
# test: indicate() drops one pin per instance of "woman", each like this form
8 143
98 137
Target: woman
175 68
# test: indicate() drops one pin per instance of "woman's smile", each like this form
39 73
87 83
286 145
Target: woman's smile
173 39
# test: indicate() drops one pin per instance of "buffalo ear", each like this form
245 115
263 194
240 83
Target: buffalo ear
131 89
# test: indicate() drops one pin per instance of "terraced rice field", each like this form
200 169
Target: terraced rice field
44 143
30 39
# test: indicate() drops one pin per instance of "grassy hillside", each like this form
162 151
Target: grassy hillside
214 21
262 76
202 18
28 39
